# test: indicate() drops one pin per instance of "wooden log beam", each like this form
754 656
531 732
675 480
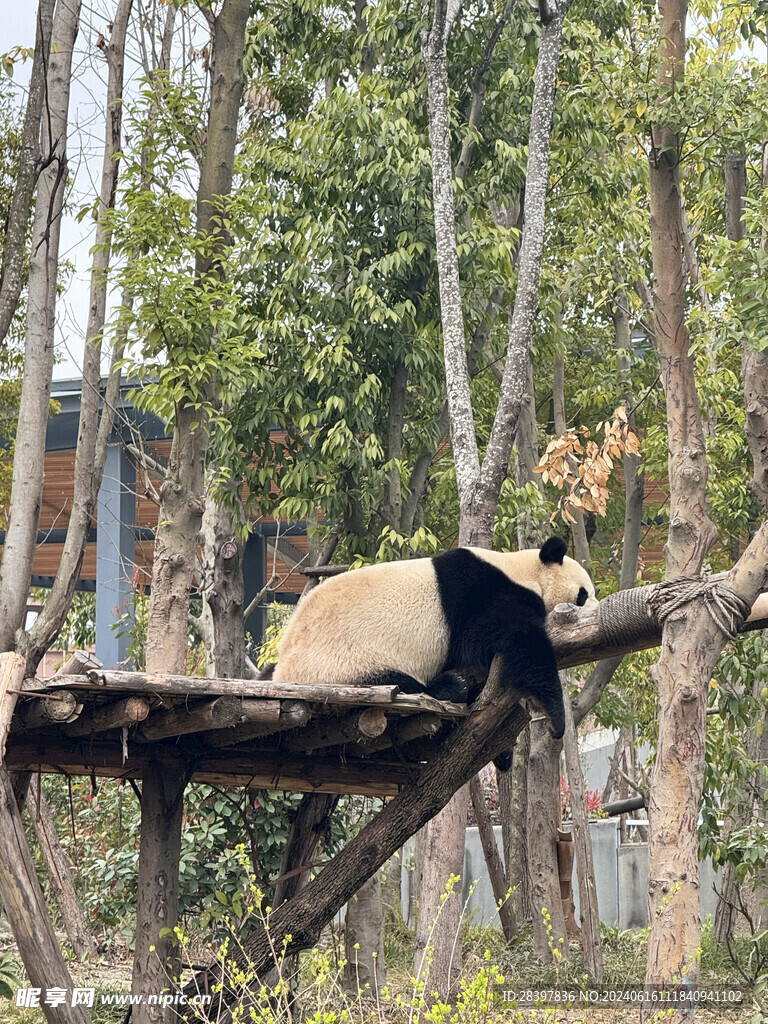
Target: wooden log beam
398 732
256 769
114 715
44 711
200 717
188 686
329 731
293 715
78 663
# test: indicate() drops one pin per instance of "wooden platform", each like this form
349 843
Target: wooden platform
332 739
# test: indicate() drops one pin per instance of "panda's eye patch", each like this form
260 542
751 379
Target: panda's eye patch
582 598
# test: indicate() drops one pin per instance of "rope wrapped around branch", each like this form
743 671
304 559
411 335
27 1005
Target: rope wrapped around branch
725 607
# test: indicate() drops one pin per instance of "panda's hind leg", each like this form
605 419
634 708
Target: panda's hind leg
385 677
448 686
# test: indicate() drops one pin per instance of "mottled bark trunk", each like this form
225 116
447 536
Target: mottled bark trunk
34 408
365 971
479 486
223 592
690 645
493 861
438 951
585 865
513 807
182 503
541 854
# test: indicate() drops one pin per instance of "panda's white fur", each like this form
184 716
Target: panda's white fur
390 617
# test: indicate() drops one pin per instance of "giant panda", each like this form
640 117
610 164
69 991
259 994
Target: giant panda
427 624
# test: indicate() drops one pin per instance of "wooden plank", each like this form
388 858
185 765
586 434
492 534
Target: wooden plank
186 686
255 769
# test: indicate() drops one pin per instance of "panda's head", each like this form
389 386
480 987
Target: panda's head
562 580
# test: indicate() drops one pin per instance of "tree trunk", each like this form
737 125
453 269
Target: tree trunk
513 806
155 963
365 971
59 869
479 486
438 952
493 861
585 865
30 164
34 409
222 588
541 834
93 433
182 503
689 646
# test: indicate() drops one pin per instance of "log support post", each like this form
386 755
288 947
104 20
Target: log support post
23 900
162 804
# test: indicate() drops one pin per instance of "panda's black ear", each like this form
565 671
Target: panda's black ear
553 550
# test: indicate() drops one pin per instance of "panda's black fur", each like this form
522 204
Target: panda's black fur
489 615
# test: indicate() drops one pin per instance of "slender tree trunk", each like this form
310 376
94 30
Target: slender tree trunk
30 164
585 865
690 644
182 503
59 869
34 409
479 486
438 952
580 542
513 806
364 940
93 432
493 860
541 834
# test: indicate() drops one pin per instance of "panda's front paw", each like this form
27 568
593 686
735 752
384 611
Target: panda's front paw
448 686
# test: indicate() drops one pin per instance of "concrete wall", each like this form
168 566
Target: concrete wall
621 875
